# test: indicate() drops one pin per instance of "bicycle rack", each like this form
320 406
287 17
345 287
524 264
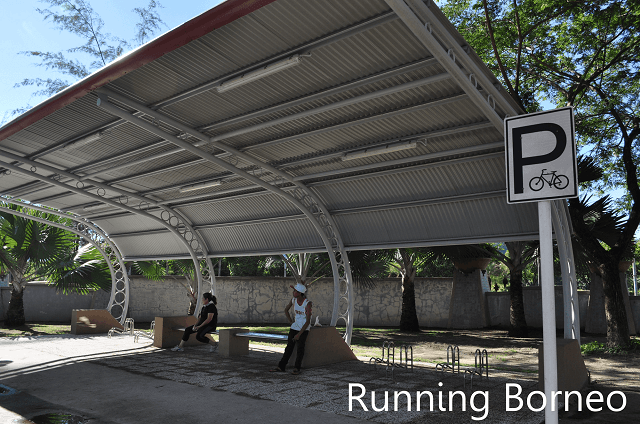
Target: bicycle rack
127 328
389 348
149 335
453 358
481 367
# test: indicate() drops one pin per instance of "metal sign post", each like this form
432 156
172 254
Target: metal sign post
541 166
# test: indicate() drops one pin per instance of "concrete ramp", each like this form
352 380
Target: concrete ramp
572 373
324 346
92 321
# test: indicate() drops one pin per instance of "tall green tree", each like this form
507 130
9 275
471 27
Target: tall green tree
584 55
96 47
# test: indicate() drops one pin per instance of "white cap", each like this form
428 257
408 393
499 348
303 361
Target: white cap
299 287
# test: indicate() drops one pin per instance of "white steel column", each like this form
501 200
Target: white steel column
562 228
548 312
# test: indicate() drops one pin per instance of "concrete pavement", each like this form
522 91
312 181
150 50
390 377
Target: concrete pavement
114 380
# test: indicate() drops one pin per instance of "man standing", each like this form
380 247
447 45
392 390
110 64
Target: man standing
299 328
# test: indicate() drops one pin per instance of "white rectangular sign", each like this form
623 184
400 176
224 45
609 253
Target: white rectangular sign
541 156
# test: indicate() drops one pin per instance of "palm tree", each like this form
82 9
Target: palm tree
520 255
31 250
301 265
405 262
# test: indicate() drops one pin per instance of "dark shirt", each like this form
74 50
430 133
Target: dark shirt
204 313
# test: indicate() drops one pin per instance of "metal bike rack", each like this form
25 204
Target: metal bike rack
480 369
453 360
149 335
389 352
127 328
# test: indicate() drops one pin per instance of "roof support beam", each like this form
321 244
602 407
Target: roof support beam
427 15
305 48
175 203
447 60
334 212
257 127
300 197
360 121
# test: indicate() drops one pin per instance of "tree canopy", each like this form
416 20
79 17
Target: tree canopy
96 47
584 55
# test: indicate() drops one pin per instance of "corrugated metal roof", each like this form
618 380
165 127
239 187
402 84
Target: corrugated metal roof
446 188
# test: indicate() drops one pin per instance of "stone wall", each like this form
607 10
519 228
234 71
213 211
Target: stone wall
262 301
43 303
498 306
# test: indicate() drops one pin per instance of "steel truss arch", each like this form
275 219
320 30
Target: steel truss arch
200 259
120 288
193 237
269 178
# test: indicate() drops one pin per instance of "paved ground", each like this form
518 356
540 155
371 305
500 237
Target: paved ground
118 381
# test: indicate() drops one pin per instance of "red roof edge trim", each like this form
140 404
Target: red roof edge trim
197 27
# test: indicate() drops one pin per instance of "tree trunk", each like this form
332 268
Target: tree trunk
517 321
15 313
614 309
409 315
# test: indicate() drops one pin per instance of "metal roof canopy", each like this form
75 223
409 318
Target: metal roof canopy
353 77
277 126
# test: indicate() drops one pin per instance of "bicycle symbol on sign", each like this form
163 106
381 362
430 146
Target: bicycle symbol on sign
558 181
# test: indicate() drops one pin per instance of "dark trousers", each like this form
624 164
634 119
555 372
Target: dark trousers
200 335
288 351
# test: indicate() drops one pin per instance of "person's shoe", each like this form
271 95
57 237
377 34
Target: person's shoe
213 348
177 349
295 371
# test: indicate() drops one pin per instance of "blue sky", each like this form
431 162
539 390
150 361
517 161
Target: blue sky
22 28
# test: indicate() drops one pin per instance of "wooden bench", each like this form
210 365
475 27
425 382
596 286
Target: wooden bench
324 345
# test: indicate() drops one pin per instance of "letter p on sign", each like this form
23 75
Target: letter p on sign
541 156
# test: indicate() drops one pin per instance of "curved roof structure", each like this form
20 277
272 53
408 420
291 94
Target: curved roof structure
378 108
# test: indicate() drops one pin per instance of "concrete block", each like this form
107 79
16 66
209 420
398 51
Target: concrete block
324 346
92 321
572 373
468 306
165 334
230 345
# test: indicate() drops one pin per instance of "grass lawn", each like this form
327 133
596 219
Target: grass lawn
31 329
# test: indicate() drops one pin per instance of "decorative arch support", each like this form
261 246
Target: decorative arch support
119 300
182 229
199 246
265 176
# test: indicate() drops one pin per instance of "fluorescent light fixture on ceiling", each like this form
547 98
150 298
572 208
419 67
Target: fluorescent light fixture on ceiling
381 150
200 186
259 73
84 140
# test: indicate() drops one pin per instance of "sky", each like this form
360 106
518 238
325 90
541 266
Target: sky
22 28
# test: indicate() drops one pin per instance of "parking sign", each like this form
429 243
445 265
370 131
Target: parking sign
541 156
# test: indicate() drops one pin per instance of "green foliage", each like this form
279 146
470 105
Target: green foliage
97 48
82 271
598 348
33 250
